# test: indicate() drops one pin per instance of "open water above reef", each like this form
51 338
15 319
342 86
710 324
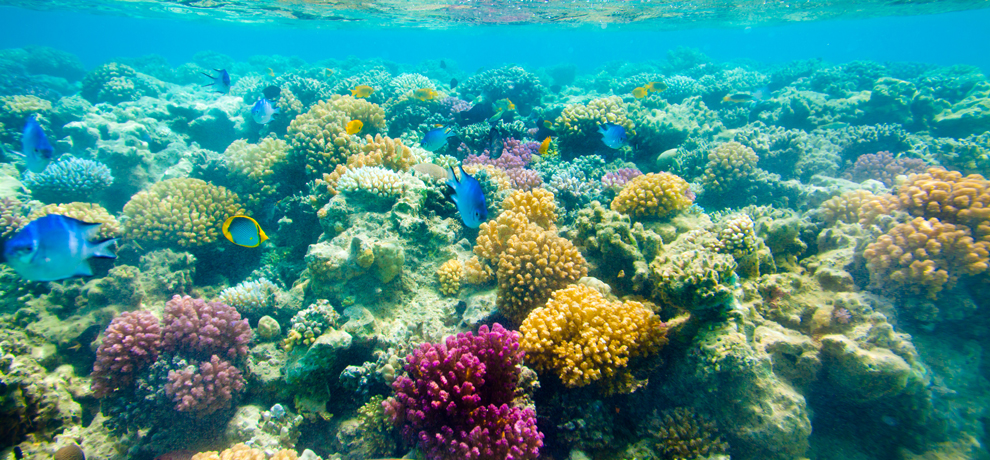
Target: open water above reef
748 230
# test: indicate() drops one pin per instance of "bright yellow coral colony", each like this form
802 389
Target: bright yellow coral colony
182 212
653 195
537 205
449 275
586 338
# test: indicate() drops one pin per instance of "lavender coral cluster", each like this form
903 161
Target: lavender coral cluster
130 343
456 402
205 328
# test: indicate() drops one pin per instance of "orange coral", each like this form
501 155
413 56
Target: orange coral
537 205
859 206
949 197
653 195
534 264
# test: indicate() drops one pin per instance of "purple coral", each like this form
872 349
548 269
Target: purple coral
206 389
882 166
205 328
456 401
525 179
614 180
515 154
130 343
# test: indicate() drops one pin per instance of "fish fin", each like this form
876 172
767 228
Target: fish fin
102 249
83 269
90 230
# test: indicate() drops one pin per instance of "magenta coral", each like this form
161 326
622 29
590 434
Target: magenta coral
616 179
206 389
205 328
882 166
456 401
130 343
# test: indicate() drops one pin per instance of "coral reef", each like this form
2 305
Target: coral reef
131 342
183 212
653 195
69 179
201 328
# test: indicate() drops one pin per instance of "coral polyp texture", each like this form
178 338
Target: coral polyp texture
925 257
449 276
457 400
653 195
205 328
69 179
206 388
949 197
858 206
537 205
729 165
585 338
186 213
130 343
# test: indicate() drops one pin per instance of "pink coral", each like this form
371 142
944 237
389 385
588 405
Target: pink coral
130 343
882 166
525 179
616 179
205 328
206 389
515 154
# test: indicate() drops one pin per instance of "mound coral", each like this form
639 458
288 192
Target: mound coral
374 180
69 179
318 138
925 256
620 250
585 338
114 83
251 298
514 83
457 400
184 212
252 166
578 124
729 165
653 195
693 278
130 343
310 323
534 264
683 433
950 198
241 451
206 388
537 205
884 167
86 212
201 328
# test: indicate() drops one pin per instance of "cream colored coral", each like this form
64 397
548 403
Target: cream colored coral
382 151
585 338
449 275
22 106
370 114
857 206
534 264
251 164
538 205
653 195
319 138
925 256
241 451
578 121
183 212
86 212
493 236
476 272
374 180
728 165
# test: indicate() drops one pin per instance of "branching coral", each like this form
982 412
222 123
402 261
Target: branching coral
683 433
449 275
194 326
857 206
11 219
253 167
318 139
653 195
578 124
585 338
925 256
883 167
206 388
130 342
729 165
183 212
949 197
69 179
537 205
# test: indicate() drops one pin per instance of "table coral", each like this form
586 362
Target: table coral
925 256
86 212
577 126
585 338
69 179
457 400
729 165
653 195
183 212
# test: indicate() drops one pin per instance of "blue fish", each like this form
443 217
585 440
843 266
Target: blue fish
36 149
436 138
222 81
243 231
55 247
613 135
263 111
468 197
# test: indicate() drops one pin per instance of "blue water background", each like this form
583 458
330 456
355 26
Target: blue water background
953 38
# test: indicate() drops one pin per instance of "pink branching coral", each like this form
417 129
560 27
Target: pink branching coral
616 179
882 166
130 343
206 389
525 179
205 328
515 154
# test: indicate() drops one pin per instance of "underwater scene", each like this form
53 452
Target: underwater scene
494 230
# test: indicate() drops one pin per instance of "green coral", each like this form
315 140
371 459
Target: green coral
181 212
689 276
621 249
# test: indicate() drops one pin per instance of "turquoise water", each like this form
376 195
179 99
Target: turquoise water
746 230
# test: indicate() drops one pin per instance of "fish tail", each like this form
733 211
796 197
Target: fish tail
102 249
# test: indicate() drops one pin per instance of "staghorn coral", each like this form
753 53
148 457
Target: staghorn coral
585 338
86 212
537 205
653 195
69 179
130 343
729 165
535 263
857 206
206 388
577 125
925 256
449 275
182 212
200 328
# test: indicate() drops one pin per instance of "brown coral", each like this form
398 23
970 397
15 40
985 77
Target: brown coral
858 206
183 212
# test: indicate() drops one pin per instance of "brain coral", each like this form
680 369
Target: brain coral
729 165
925 256
69 179
183 212
534 264
578 124
86 212
653 195
585 338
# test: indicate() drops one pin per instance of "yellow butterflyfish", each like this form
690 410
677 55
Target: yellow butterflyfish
639 92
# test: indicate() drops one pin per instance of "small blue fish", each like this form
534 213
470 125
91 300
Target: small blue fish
613 135
263 111
222 81
243 231
55 247
36 149
468 197
436 138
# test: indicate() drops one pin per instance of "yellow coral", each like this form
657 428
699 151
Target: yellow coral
585 338
319 139
86 212
857 206
728 165
370 114
497 175
578 123
251 165
476 272
925 256
949 197
183 212
449 275
19 107
534 264
493 236
538 205
382 151
653 195
241 451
